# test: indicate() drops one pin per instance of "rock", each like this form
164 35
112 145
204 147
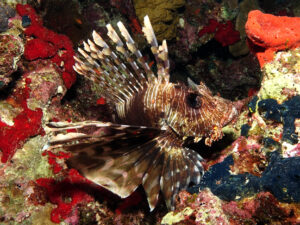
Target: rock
11 50
240 48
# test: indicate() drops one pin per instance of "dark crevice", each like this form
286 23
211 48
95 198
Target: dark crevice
7 90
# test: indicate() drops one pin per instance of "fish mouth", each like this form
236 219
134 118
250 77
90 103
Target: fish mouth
236 110
227 119
195 139
234 113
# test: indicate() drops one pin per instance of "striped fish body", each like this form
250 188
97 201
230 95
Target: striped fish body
173 106
144 144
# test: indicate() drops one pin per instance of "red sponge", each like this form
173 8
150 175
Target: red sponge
268 33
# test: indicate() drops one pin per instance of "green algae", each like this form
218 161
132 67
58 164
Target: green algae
13 205
42 215
273 88
280 76
229 11
29 162
27 165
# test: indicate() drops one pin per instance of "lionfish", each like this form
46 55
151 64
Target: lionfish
144 144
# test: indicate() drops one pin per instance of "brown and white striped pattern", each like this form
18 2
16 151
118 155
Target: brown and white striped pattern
158 115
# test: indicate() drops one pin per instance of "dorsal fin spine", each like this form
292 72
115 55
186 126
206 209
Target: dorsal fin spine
133 49
107 63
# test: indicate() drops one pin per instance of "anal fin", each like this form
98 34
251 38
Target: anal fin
171 170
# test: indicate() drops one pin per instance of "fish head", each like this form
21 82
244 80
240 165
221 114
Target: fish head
196 112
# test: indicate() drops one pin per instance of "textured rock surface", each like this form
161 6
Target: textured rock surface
11 50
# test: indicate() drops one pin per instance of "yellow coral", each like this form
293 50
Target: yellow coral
162 14
172 218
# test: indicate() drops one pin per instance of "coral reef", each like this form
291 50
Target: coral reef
256 177
244 75
66 195
279 177
281 77
286 113
34 183
206 208
252 179
69 20
26 124
202 50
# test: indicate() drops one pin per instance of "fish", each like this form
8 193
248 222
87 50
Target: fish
151 119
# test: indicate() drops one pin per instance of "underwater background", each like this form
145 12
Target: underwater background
243 50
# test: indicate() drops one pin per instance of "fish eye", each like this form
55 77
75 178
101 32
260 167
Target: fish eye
194 100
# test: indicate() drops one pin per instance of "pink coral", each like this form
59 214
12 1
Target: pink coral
262 207
206 208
